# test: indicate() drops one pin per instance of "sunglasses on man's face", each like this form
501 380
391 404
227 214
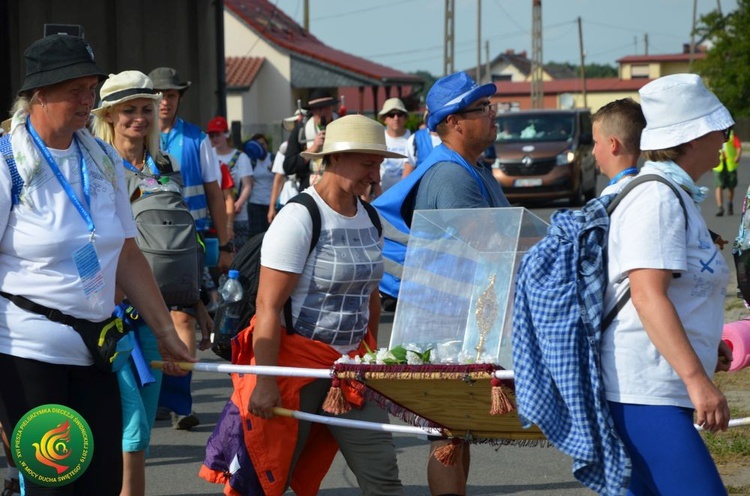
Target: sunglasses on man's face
726 133
393 115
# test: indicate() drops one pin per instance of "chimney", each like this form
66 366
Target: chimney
686 48
523 54
510 51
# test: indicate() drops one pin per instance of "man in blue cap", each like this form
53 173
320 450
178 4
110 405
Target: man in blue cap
452 176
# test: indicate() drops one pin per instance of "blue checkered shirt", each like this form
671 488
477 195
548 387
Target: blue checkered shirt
556 334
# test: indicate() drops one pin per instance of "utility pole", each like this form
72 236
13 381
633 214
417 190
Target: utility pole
645 43
537 88
448 48
479 41
692 36
583 63
487 58
306 16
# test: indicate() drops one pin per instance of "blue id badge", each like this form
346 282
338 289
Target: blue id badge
90 272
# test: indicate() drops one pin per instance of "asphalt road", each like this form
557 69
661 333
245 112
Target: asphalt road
176 456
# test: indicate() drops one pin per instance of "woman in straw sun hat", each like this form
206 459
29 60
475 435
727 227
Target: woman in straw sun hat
126 118
335 307
660 353
72 213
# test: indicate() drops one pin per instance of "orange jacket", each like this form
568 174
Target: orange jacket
271 442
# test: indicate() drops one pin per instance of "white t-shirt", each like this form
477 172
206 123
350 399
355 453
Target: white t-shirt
647 230
392 169
242 168
331 301
38 238
617 187
263 177
411 155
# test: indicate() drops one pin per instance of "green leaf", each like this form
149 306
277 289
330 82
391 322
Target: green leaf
400 353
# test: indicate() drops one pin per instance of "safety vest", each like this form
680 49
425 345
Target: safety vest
728 154
422 145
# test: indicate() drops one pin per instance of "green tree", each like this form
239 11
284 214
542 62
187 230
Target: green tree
429 80
592 70
727 65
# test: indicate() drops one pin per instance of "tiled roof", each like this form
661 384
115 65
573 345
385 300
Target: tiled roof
523 64
241 71
508 88
670 57
281 30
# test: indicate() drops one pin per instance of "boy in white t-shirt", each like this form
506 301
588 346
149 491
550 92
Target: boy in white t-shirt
617 130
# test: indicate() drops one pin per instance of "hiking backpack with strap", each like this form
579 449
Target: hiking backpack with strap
167 236
247 262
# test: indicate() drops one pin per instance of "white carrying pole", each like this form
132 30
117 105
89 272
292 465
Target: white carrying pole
732 423
357 424
228 368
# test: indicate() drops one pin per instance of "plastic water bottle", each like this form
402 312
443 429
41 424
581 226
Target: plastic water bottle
228 315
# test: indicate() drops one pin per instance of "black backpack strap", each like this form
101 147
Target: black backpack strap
374 217
163 163
623 300
309 202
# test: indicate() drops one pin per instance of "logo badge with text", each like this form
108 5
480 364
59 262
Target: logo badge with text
52 445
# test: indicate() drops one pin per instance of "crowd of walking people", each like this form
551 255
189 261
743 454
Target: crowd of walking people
73 255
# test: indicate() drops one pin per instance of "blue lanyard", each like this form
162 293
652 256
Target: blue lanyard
149 162
64 182
627 172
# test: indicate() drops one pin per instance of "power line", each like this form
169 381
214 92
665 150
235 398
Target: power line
366 9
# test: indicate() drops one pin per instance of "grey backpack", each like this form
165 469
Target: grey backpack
167 238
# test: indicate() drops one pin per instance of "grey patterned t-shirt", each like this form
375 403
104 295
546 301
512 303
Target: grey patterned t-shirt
331 301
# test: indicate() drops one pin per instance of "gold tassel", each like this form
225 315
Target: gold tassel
335 402
501 404
448 454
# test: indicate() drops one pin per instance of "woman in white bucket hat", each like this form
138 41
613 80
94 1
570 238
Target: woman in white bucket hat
660 353
335 308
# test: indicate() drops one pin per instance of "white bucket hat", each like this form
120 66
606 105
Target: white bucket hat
127 85
392 104
678 109
354 134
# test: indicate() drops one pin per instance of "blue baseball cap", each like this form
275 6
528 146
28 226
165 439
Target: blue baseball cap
453 93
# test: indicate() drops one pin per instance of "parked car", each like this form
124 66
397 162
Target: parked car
545 155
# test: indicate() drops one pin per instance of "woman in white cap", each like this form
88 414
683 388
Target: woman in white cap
126 119
67 236
335 307
660 353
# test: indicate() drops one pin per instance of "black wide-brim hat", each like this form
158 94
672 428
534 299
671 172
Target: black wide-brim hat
166 78
57 58
320 98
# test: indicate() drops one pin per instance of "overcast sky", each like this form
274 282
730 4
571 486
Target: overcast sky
409 34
